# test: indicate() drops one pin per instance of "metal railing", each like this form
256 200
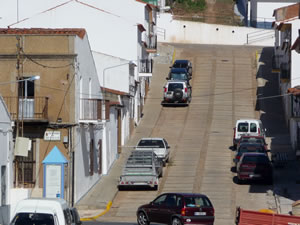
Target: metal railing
145 66
151 41
260 35
90 109
30 108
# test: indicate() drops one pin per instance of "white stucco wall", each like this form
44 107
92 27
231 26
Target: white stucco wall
104 37
87 73
177 31
113 72
295 56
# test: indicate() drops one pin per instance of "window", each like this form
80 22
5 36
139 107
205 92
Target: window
91 157
160 200
243 127
100 156
171 201
24 169
253 127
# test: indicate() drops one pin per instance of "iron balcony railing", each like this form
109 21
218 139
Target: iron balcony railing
90 109
30 108
145 65
151 41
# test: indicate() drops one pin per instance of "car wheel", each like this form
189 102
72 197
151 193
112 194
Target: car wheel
176 221
142 219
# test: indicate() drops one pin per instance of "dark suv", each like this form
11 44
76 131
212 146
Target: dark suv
179 74
177 209
183 63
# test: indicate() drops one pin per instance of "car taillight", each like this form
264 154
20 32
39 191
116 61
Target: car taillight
258 131
183 211
166 89
238 157
185 90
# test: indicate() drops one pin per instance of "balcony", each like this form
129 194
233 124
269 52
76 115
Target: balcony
90 109
31 109
151 43
145 67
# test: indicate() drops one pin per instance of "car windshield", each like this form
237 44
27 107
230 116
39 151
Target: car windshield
151 143
178 76
255 159
197 201
33 219
174 86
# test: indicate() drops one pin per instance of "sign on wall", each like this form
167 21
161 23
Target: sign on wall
52 136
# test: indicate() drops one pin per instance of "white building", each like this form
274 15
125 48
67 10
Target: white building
6 163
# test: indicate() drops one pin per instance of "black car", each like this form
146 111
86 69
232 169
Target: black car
179 74
255 166
248 147
183 63
177 209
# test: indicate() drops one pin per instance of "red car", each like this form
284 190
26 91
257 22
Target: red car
255 166
253 139
177 209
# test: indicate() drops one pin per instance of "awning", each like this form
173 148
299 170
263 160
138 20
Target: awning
296 44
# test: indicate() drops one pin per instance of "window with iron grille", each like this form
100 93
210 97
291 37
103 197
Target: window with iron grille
91 157
25 168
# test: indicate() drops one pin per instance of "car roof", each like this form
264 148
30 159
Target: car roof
181 61
254 154
248 120
252 136
151 138
176 81
251 143
178 70
186 194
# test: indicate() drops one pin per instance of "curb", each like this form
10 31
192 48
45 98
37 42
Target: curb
97 216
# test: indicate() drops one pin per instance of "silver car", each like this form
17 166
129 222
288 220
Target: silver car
178 92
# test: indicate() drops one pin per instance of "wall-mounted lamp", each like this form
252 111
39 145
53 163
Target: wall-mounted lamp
66 141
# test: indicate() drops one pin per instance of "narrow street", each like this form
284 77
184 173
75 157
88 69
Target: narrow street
200 135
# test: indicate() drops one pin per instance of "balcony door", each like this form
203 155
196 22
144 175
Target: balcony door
26 99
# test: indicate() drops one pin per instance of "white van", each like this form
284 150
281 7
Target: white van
251 127
42 211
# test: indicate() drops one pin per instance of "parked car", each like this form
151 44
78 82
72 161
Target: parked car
254 166
177 91
50 211
248 147
179 74
253 139
183 63
251 127
159 145
177 209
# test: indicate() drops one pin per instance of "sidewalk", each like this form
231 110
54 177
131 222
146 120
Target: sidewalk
96 201
286 187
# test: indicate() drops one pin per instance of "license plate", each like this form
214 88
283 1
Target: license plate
200 213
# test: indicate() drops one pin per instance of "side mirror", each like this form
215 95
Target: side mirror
167 78
168 146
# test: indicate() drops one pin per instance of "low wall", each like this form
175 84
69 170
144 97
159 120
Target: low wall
188 32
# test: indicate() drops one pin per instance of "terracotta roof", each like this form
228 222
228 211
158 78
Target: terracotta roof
151 5
141 27
287 12
294 91
114 91
80 32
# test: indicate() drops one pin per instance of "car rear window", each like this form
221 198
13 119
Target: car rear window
249 148
255 159
173 86
178 76
243 127
151 143
33 219
180 65
197 201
